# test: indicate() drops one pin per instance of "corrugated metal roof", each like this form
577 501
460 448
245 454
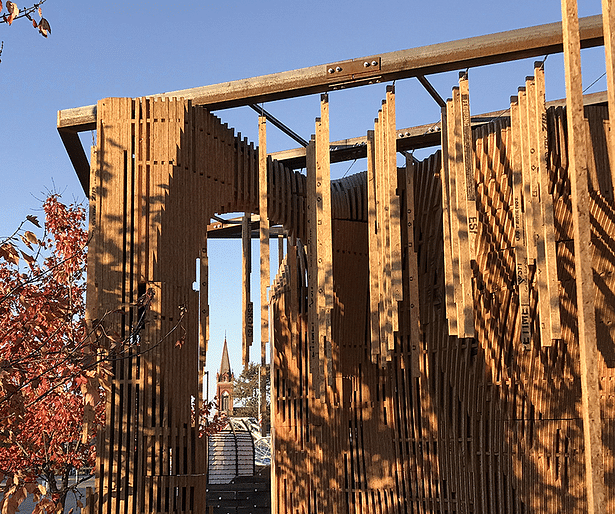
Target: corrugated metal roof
231 454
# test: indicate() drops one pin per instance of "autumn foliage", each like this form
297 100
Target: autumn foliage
54 367
10 12
211 420
13 13
47 361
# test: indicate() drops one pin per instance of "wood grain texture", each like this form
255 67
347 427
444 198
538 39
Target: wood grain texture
367 418
588 352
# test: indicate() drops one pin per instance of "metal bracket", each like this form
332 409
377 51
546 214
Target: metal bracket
353 69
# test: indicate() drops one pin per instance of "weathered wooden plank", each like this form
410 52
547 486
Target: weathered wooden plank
589 369
374 249
454 55
323 246
246 304
469 222
412 302
263 171
608 24
449 285
393 209
453 137
312 298
520 243
465 307
382 213
546 205
534 208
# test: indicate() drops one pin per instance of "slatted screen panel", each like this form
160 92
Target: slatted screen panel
487 424
398 414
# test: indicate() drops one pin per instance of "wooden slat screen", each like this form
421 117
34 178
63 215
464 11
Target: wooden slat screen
419 363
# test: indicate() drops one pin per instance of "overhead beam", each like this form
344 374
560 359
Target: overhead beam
454 55
413 138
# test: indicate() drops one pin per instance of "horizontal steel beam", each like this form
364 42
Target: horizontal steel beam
454 55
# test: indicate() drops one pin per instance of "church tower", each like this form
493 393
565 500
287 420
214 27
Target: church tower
224 388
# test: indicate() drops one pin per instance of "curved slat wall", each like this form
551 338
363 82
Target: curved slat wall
423 422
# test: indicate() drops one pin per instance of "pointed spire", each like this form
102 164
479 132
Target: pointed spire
225 365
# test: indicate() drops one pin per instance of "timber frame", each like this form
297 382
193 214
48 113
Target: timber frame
417 62
442 334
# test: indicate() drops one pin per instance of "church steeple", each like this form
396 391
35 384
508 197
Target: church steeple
224 389
225 364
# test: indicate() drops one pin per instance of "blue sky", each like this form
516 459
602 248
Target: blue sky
103 49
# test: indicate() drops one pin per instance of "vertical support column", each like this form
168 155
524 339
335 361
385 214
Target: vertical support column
374 249
264 257
382 211
247 309
390 145
312 307
451 310
453 137
577 169
532 200
323 246
520 242
551 303
470 223
413 272
608 23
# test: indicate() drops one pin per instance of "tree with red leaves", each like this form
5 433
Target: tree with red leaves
53 366
47 361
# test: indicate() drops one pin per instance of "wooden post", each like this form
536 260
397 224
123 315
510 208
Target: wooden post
470 223
247 313
413 272
535 229
520 240
384 306
323 246
390 145
264 265
453 135
451 310
374 248
608 24
312 307
577 169
552 317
